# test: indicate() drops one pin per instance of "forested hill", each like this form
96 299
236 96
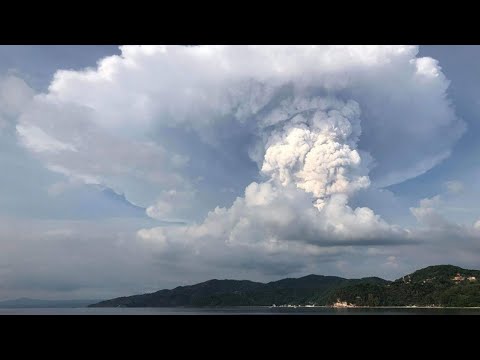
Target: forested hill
442 285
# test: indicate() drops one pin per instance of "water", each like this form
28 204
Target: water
237 311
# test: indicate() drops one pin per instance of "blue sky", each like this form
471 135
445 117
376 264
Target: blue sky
131 169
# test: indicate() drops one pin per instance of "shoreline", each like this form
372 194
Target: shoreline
288 307
294 307
372 307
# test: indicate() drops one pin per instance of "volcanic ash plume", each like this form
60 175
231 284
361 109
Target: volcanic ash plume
315 149
169 126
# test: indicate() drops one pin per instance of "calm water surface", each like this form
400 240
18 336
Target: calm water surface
237 311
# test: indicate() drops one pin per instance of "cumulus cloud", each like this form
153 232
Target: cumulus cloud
272 223
437 227
427 214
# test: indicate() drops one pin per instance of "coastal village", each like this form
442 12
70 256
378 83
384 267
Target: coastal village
337 304
459 278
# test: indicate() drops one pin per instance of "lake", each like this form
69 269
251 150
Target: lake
237 311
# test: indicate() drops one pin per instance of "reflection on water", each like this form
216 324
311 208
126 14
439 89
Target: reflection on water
239 311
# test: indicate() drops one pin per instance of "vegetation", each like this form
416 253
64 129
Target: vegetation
443 285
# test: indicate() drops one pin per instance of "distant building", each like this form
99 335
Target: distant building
342 304
458 277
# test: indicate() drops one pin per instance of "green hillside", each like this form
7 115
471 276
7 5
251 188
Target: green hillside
442 285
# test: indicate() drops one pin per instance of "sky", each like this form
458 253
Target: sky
130 169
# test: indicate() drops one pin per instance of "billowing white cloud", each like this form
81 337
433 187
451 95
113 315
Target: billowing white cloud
70 143
38 141
435 226
408 125
272 222
427 214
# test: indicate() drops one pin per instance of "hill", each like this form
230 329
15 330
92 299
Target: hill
311 289
442 285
